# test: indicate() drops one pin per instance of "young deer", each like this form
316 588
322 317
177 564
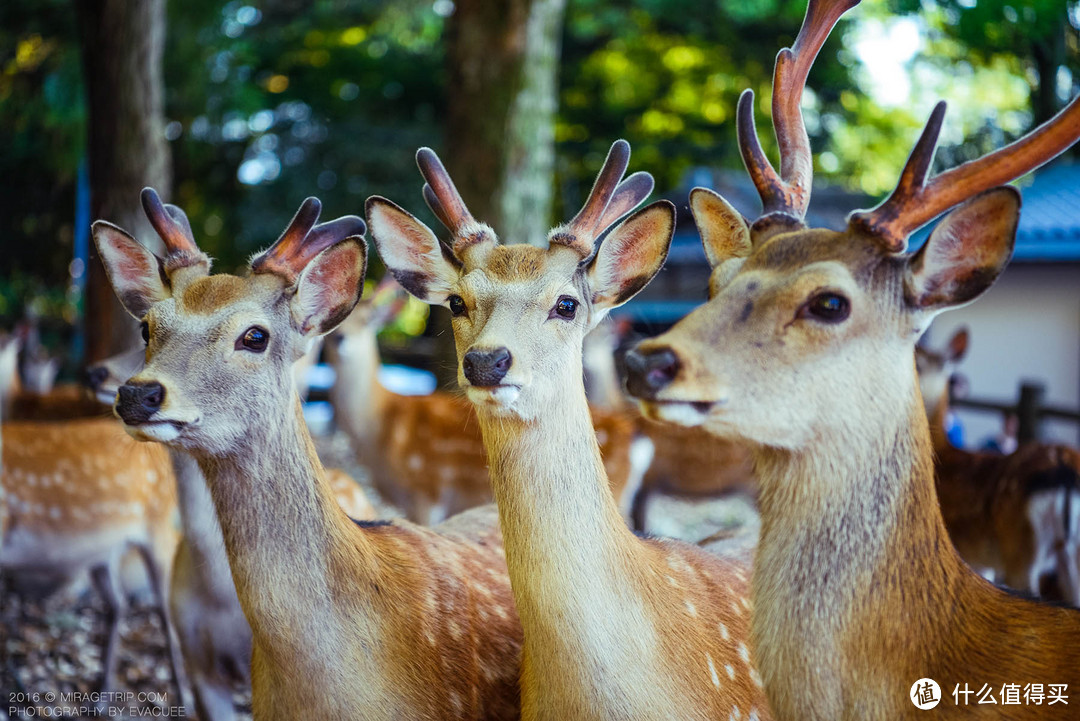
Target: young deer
214 636
80 495
805 350
449 473
349 620
616 626
1016 515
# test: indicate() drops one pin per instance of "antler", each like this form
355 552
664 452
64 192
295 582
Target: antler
608 201
445 201
917 201
787 194
172 225
302 240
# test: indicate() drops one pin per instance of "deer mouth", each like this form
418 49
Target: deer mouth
680 413
501 395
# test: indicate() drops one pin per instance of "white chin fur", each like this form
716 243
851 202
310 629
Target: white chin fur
499 397
160 432
680 414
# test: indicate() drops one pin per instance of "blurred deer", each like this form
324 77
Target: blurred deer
449 472
805 351
214 635
1015 515
616 626
372 620
79 495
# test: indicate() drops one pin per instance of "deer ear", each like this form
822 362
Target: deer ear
329 287
137 275
631 255
724 232
966 252
411 252
958 345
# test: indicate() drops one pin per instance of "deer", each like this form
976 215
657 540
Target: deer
214 636
38 399
1015 515
616 626
79 496
805 351
374 620
449 473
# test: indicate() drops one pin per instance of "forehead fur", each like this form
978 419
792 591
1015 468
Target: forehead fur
212 293
520 261
791 251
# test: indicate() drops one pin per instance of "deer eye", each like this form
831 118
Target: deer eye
827 307
566 307
457 305
254 339
144 329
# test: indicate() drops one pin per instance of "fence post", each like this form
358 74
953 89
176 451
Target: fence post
1028 411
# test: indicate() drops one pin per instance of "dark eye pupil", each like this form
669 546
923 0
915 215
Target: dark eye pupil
830 307
255 339
145 330
457 305
566 307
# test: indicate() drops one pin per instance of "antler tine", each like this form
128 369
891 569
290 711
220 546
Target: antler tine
585 224
302 240
915 201
172 225
789 192
448 205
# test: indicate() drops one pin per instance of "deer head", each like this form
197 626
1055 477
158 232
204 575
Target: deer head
808 330
520 311
220 348
936 368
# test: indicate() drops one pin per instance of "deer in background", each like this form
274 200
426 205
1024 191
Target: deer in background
1016 515
449 472
80 495
805 350
214 635
371 620
616 626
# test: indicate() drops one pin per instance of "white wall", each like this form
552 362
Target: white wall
1026 327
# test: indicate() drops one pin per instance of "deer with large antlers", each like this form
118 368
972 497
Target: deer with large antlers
615 626
1016 515
448 473
349 620
805 350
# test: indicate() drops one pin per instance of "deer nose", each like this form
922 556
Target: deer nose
649 371
486 367
136 402
95 376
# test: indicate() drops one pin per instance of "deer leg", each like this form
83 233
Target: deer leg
213 699
157 584
104 577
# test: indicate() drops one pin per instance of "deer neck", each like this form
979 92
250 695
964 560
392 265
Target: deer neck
359 399
290 546
852 540
568 550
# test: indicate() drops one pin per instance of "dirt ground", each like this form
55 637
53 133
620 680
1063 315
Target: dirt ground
50 649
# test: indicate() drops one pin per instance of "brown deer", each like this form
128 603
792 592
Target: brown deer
805 350
214 636
448 473
371 620
80 495
1014 515
616 626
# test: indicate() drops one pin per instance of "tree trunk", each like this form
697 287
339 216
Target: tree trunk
122 47
524 198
